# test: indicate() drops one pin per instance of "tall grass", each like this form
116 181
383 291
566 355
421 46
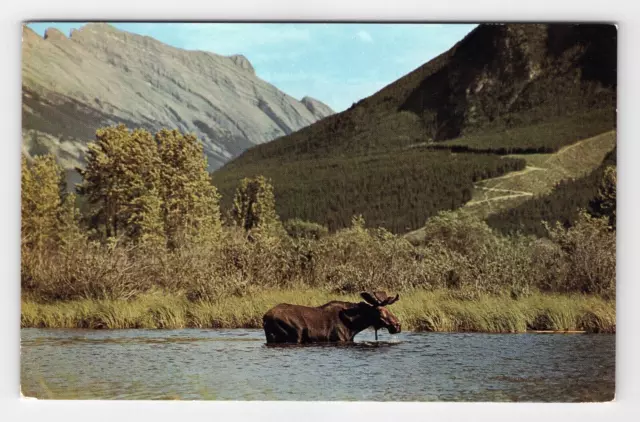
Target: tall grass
419 310
461 277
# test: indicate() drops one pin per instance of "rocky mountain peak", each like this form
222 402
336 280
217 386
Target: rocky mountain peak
101 75
243 63
54 34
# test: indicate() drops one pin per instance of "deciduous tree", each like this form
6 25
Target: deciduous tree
121 182
254 204
189 202
41 202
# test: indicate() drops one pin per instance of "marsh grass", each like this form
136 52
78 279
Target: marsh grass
418 310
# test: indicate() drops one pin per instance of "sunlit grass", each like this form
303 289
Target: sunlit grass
418 310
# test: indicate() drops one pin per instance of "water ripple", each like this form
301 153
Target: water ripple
238 365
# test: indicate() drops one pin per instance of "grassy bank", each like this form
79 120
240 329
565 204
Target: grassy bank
419 310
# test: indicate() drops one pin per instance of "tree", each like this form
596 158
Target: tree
189 202
121 181
40 201
604 205
49 214
254 204
144 223
68 231
590 250
300 229
150 189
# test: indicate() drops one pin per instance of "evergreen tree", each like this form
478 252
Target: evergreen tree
49 214
144 223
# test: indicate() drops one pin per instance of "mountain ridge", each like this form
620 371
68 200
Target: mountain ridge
101 75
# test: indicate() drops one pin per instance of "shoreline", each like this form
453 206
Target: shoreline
419 311
567 332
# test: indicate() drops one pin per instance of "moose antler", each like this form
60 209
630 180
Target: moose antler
379 298
390 300
370 299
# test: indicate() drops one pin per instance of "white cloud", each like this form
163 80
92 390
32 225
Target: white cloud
364 36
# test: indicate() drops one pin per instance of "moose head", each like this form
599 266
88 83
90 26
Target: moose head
380 316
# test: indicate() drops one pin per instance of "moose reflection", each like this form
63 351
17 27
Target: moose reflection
335 321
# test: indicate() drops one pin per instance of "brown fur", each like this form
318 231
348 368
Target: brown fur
334 321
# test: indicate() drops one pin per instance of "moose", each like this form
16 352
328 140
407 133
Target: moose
335 321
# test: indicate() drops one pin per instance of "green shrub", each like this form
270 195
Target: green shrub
300 229
589 248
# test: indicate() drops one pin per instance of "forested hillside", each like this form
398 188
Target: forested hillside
503 89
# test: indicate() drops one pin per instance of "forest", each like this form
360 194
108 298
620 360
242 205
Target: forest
545 137
396 191
398 183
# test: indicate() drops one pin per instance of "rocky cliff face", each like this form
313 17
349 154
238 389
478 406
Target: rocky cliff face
100 75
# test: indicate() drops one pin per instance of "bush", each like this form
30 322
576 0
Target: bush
461 255
461 232
589 249
300 229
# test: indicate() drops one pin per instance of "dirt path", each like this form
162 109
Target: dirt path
552 163
497 198
510 194
503 190
554 167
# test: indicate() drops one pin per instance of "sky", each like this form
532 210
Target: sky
336 63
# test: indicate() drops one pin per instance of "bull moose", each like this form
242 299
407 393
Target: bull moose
335 321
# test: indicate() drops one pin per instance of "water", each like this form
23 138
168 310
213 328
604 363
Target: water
237 365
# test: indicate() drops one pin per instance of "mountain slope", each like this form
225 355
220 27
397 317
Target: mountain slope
561 204
100 75
502 84
497 77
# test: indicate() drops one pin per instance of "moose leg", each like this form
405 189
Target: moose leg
376 331
278 332
272 331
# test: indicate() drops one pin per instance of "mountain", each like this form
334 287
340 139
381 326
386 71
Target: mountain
418 145
317 108
100 75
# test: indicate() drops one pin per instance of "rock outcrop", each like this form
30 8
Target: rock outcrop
317 108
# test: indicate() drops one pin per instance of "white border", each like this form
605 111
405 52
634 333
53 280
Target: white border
625 14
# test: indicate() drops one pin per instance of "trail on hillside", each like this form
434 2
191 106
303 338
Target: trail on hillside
552 164
508 193
551 167
527 169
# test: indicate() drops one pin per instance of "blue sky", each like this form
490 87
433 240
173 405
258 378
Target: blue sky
336 63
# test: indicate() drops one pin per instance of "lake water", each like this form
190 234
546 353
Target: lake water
237 365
